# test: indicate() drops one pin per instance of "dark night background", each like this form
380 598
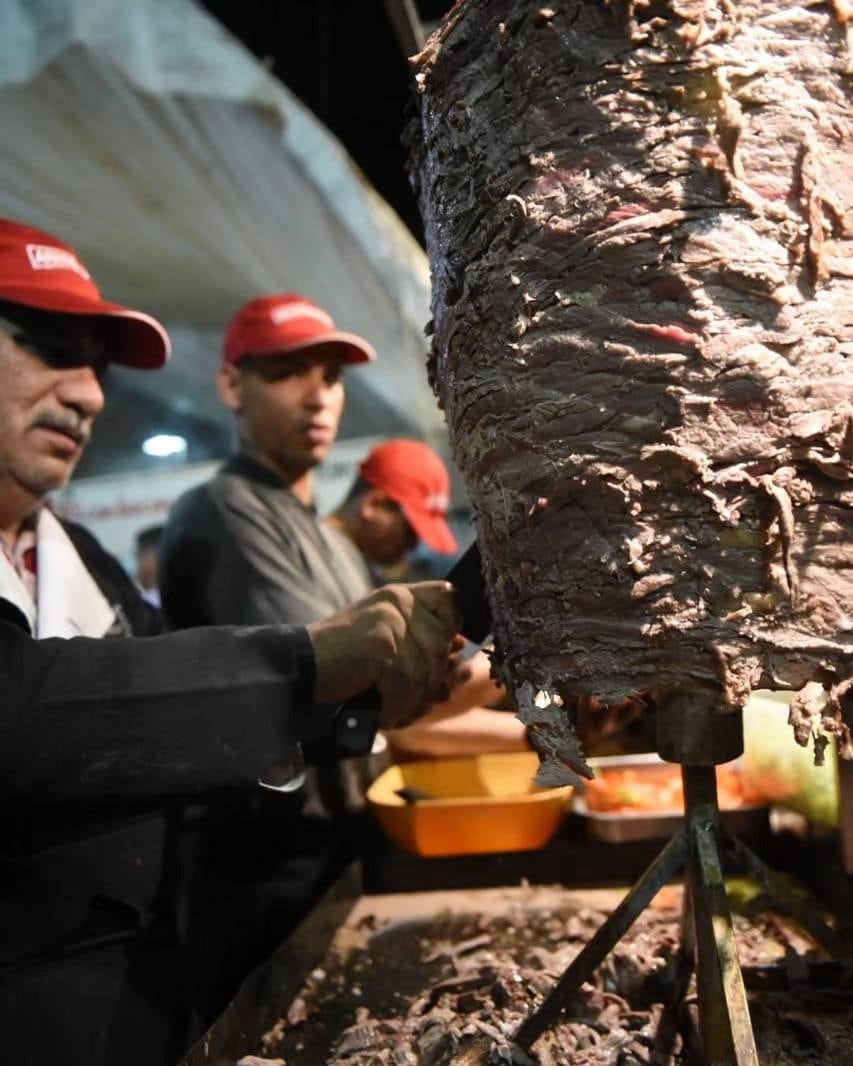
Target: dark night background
343 60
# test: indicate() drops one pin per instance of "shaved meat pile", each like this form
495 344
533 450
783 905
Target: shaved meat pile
454 989
639 218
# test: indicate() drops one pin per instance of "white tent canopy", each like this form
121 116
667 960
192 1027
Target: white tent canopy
190 180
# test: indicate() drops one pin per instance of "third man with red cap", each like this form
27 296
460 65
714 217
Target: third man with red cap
401 498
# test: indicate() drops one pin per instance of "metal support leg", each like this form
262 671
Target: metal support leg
407 25
662 870
667 1030
727 1035
708 941
781 894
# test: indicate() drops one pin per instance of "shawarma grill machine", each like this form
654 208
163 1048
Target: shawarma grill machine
639 217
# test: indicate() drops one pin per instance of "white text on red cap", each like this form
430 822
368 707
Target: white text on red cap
46 257
288 312
437 502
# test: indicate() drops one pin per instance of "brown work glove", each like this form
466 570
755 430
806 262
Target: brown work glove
398 639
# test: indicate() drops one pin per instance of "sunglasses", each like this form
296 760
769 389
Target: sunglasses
61 347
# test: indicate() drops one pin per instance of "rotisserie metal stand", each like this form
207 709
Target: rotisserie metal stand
692 732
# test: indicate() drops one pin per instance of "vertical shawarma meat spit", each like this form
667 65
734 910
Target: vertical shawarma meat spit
639 218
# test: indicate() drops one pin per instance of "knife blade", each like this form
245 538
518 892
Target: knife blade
355 722
466 576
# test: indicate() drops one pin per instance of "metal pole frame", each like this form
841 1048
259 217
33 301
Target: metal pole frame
407 25
707 933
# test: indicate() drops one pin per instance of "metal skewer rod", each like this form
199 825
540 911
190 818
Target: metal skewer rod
691 731
661 871
407 25
668 1026
723 1009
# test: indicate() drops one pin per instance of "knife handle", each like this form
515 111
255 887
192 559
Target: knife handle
356 722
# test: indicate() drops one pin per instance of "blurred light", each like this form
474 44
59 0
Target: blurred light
163 445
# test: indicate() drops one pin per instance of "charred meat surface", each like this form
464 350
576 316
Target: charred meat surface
639 220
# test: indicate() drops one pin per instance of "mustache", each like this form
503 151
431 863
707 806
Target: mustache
71 423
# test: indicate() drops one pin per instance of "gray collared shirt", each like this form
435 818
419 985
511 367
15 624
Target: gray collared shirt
242 549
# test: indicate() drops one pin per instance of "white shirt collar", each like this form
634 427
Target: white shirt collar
68 602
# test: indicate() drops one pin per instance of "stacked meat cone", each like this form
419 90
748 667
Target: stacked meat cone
639 220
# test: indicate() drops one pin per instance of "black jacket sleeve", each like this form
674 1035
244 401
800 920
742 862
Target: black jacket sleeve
180 715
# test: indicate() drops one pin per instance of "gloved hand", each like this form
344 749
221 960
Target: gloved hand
399 640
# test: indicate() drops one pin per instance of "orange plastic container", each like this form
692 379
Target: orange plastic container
485 803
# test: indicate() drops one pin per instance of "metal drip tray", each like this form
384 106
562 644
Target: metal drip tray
624 826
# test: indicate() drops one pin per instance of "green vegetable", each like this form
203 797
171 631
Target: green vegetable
776 767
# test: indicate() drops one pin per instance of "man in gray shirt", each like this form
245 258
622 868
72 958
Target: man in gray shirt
245 548
248 546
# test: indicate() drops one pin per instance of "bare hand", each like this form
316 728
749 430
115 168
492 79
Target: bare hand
471 684
399 640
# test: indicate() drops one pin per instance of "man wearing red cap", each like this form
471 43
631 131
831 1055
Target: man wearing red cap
401 497
100 737
249 546
57 336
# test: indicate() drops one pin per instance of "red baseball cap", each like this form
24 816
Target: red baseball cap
413 476
39 271
286 322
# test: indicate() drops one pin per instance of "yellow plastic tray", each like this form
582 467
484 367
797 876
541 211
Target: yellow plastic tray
483 804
